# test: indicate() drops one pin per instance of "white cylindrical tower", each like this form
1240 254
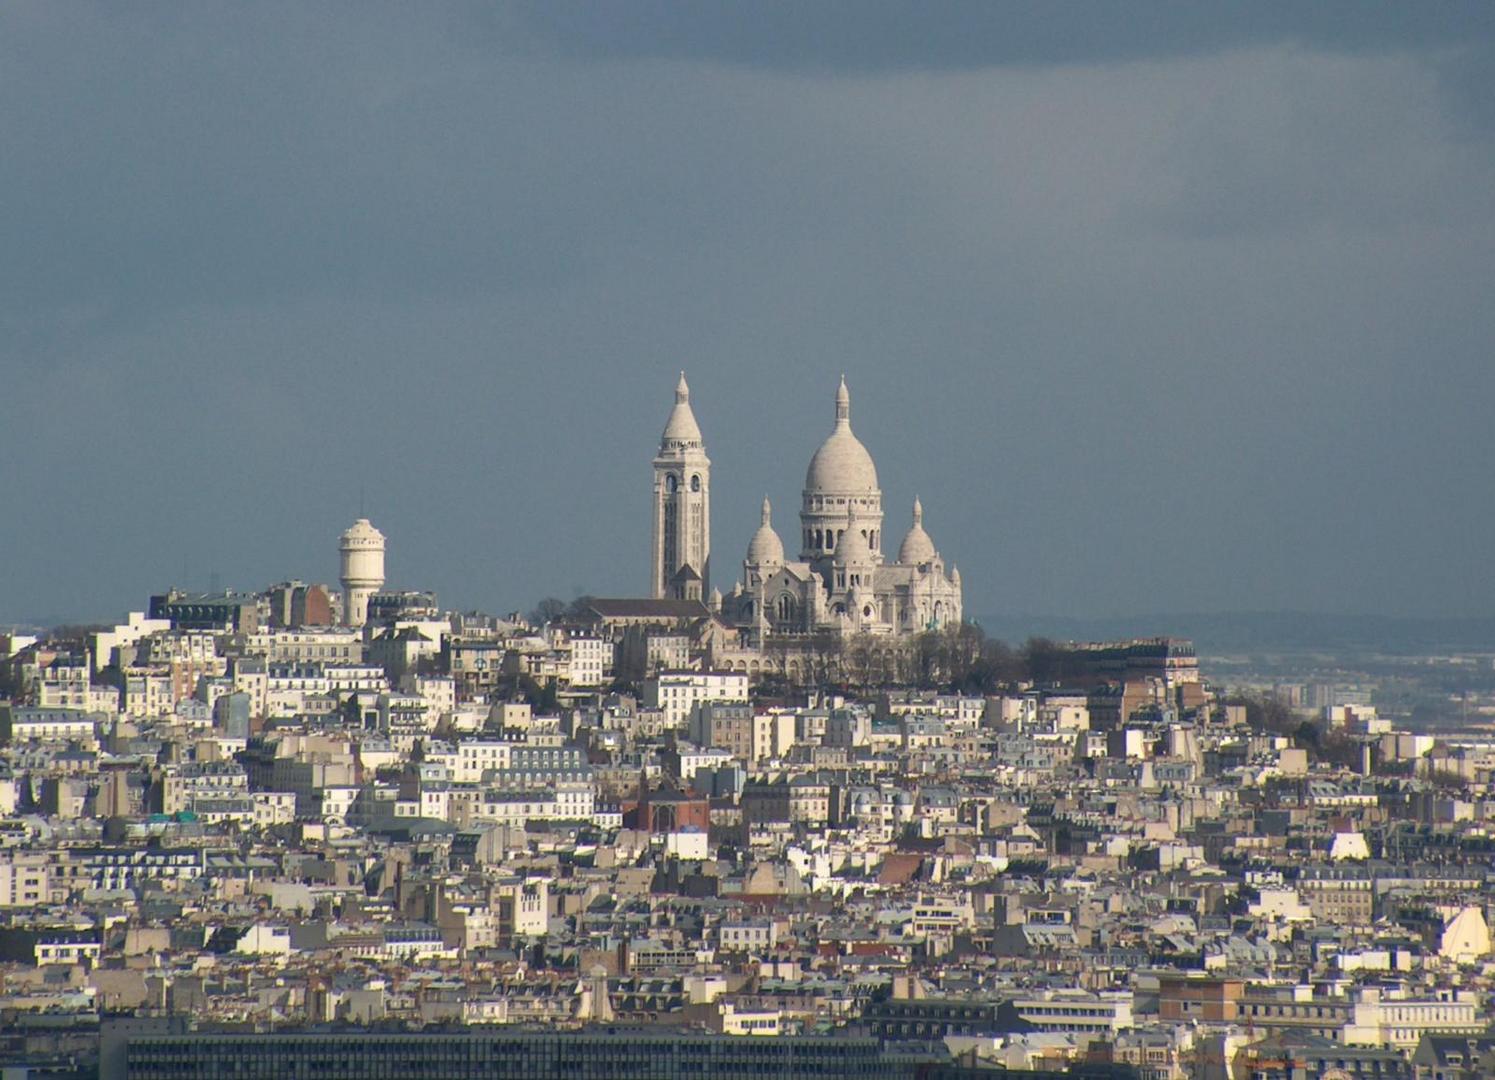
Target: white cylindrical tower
362 551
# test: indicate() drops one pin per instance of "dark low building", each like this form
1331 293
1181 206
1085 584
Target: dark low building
936 1018
239 612
605 1054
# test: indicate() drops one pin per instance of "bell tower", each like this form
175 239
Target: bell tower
681 567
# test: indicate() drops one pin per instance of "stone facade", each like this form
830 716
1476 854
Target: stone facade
841 583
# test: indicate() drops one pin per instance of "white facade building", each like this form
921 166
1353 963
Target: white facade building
676 693
841 581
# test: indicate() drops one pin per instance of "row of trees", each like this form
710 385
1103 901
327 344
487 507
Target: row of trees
956 659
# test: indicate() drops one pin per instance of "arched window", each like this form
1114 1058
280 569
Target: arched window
671 483
695 482
785 608
867 612
839 609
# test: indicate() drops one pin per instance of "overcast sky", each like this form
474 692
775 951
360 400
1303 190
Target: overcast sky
1158 307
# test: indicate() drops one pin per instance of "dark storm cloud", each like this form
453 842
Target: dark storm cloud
876 36
1182 309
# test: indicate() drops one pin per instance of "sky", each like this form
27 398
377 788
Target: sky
1157 307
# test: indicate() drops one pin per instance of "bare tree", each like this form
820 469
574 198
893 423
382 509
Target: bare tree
547 611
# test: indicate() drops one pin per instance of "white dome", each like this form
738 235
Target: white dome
842 464
363 531
852 547
681 426
917 548
765 548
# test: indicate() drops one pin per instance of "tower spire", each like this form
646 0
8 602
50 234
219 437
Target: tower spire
843 404
767 513
682 506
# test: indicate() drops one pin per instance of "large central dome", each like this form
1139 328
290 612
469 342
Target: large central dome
842 465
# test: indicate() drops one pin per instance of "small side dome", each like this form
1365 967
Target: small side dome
852 547
917 548
765 548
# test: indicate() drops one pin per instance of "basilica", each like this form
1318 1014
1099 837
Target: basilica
840 582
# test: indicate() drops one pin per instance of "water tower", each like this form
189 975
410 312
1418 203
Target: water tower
362 551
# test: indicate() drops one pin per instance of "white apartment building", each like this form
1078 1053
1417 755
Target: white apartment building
1078 1013
289 688
102 644
63 686
476 756
1400 1023
274 807
148 692
324 645
747 935
695 758
25 879
440 691
22 724
676 693
563 802
587 659
941 915
523 906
